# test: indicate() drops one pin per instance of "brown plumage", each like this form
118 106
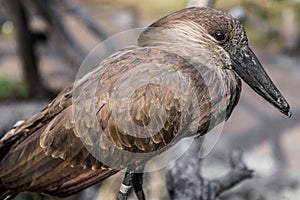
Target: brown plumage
204 47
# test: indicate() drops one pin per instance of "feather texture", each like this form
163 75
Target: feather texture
140 100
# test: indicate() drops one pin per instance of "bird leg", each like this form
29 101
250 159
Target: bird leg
125 186
137 182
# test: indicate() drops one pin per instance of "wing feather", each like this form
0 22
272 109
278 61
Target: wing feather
49 152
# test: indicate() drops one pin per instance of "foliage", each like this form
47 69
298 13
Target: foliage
267 14
11 89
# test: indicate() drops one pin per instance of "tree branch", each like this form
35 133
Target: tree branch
63 39
184 180
26 46
238 173
86 20
89 22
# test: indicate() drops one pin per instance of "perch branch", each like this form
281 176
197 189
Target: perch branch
184 180
238 173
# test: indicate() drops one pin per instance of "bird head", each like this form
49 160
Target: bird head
217 39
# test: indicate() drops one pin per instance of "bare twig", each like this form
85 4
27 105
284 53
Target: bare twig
184 180
238 173
63 39
89 22
86 20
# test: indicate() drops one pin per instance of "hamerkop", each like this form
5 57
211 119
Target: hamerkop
202 50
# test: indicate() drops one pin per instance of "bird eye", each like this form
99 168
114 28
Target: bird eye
219 36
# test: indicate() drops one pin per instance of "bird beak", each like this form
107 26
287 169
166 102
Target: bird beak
248 67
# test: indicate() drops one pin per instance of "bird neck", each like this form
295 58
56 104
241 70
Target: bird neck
212 62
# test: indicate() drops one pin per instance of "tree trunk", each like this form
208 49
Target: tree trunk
26 48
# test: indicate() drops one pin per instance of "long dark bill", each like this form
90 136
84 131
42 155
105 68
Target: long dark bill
248 67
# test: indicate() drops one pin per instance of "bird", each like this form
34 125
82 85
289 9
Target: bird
182 79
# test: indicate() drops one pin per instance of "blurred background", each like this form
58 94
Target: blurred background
42 44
